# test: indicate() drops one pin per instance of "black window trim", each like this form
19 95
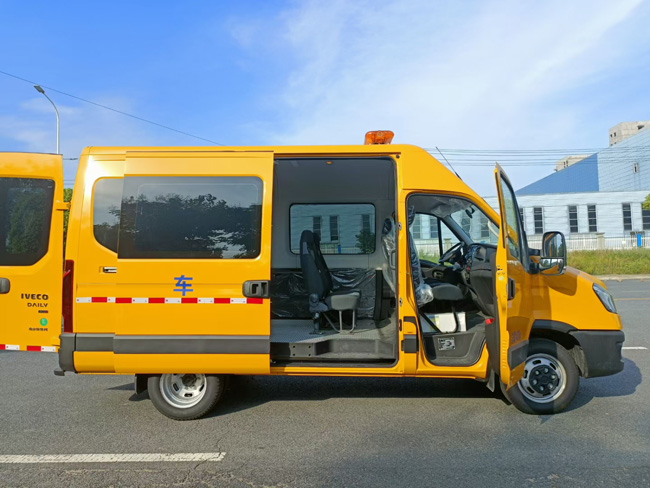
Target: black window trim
541 214
577 220
629 210
595 218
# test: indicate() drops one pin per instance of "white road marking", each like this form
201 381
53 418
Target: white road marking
112 458
636 348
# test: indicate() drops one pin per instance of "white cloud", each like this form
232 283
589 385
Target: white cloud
452 74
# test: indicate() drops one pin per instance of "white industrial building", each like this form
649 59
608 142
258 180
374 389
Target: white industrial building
595 202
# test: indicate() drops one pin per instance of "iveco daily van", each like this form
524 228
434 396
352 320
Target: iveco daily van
184 265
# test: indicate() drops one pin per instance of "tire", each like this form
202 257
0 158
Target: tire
550 381
185 396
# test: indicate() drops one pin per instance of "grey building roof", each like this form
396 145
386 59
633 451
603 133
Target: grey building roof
577 178
622 167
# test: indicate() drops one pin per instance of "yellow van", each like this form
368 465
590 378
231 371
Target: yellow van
185 265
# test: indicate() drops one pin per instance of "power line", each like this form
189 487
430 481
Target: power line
110 108
570 151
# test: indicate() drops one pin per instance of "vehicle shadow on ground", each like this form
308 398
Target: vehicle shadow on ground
246 392
621 384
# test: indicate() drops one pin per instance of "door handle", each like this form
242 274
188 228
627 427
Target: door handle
392 259
5 285
511 288
109 269
256 289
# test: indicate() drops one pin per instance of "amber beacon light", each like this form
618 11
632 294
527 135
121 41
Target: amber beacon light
379 137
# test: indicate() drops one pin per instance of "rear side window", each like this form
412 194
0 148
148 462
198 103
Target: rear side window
343 228
25 218
107 203
186 217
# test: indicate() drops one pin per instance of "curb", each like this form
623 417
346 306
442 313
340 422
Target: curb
641 277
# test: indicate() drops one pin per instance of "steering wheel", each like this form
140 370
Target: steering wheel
453 252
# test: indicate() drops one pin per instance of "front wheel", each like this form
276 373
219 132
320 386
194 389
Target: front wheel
550 380
185 396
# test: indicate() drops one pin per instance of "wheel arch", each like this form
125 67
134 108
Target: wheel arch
560 332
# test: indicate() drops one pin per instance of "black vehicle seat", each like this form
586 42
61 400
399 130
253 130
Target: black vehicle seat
318 282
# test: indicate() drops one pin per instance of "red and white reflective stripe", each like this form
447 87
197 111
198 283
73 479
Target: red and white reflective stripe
14 347
227 301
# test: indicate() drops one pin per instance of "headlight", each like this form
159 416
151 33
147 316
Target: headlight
605 297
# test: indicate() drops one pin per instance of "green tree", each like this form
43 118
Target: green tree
366 241
67 196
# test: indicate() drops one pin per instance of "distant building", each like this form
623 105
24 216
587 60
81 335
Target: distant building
622 131
569 160
597 198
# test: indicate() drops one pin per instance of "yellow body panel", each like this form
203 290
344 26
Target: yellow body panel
94 362
30 313
570 298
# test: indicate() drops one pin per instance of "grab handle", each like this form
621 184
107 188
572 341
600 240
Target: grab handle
5 286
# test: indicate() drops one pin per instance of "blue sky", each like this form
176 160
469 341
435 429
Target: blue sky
455 74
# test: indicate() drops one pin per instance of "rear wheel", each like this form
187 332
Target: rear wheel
185 396
550 380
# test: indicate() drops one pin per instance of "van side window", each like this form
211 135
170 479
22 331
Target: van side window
189 217
25 217
350 227
107 202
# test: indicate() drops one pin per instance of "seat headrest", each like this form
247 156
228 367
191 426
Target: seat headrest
308 240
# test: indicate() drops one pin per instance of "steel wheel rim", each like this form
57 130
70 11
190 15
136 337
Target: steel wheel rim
183 390
544 378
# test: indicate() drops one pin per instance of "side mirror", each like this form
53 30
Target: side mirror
552 260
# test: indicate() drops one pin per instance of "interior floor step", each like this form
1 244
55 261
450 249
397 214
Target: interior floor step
292 339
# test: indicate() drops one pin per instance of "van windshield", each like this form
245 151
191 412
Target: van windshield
476 225
469 219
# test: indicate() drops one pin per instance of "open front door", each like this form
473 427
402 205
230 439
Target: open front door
31 251
194 263
508 341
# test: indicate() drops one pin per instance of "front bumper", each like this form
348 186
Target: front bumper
602 351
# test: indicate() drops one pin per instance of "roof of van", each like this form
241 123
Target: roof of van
331 149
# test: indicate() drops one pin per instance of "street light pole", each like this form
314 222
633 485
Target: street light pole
40 90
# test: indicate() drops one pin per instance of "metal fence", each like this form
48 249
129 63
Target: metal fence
593 242
429 248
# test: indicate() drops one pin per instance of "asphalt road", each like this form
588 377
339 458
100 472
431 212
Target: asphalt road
279 431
